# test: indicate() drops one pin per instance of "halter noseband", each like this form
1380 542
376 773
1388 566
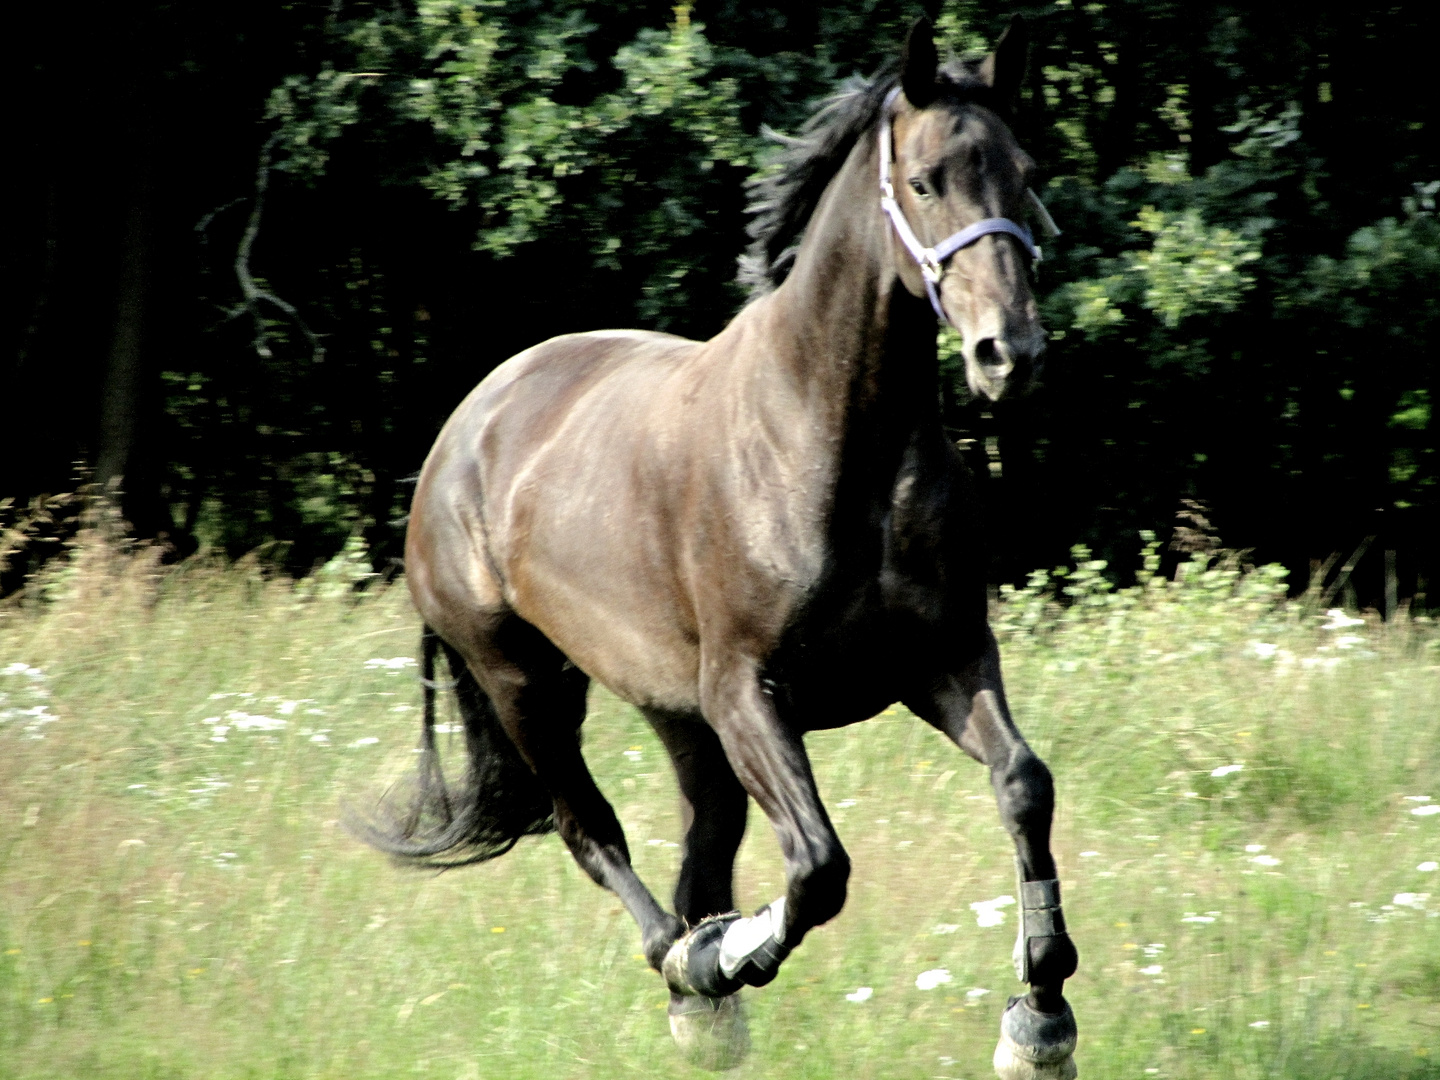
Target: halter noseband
931 260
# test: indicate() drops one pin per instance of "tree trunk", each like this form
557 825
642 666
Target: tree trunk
120 396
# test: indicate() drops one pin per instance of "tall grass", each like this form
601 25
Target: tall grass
176 899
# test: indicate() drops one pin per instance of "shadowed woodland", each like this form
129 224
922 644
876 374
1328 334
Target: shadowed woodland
255 254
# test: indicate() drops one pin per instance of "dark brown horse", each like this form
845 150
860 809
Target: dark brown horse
753 537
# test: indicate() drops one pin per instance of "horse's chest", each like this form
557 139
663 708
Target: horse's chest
902 586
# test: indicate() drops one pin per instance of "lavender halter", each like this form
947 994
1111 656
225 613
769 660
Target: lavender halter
931 260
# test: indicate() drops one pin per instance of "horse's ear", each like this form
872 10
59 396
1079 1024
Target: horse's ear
1004 69
919 64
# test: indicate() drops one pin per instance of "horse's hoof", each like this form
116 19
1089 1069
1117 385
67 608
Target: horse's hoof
710 1032
1035 1045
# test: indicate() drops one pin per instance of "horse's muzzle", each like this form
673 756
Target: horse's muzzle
1004 367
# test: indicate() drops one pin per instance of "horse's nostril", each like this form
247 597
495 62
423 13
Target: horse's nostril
994 354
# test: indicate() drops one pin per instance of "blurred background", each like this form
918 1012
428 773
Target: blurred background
256 253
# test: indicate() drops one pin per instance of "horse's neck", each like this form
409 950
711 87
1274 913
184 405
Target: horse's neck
847 331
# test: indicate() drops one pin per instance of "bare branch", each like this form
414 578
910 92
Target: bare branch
202 227
254 295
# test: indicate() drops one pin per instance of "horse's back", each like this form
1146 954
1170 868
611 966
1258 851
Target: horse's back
527 399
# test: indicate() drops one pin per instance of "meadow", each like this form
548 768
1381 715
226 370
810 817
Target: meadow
1248 833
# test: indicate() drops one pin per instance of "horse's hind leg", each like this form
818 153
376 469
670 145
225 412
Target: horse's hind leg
713 805
540 699
710 1031
968 704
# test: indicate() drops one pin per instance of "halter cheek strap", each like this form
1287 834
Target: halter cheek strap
931 260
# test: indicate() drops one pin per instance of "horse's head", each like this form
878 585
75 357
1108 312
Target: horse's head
956 165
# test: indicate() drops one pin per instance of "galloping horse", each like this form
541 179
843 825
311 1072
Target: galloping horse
753 537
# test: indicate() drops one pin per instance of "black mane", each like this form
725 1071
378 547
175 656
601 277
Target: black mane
781 203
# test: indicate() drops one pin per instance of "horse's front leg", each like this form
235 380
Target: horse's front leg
968 704
768 757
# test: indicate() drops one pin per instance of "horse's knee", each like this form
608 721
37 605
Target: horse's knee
1025 792
818 885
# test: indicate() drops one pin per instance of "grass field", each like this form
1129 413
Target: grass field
176 899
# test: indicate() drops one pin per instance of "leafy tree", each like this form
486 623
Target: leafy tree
1242 305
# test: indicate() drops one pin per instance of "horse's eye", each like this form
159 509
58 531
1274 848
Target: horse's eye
918 186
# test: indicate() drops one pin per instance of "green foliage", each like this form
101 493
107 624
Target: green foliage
1188 269
1210 602
1243 305
487 89
1204 755
312 112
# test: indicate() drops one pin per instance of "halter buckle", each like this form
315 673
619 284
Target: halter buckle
930 266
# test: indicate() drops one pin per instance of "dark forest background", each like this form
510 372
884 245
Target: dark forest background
254 254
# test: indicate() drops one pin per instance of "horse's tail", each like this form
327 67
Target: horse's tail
498 801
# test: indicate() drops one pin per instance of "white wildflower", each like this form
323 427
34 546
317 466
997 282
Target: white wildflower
243 721
1265 860
1153 969
1429 866
1226 770
976 993
945 928
863 993
1339 620
988 913
929 980
392 665
1253 848
368 740
1260 1023
1426 811
1088 854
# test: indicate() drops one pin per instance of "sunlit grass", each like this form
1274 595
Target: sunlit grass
177 900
